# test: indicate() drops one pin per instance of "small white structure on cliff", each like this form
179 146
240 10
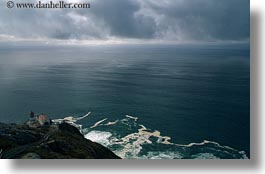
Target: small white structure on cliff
44 120
38 121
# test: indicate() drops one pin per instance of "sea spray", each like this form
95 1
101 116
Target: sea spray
129 139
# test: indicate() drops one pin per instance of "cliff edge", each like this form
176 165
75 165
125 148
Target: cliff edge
62 141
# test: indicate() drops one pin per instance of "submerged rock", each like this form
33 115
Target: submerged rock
54 142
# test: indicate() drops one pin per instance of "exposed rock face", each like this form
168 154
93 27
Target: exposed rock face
54 142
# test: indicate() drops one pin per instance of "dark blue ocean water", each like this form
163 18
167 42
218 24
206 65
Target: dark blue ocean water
189 93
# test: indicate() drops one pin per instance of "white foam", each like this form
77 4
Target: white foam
131 145
99 137
162 155
98 123
111 123
205 156
71 119
131 117
244 155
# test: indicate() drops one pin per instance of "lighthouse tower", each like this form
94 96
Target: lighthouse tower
32 116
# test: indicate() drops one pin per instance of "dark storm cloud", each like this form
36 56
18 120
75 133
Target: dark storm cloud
174 20
206 19
119 16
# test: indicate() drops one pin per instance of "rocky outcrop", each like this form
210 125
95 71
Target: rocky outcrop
54 142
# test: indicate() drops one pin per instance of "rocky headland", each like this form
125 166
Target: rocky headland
57 141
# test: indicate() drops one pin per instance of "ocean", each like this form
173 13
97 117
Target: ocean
146 101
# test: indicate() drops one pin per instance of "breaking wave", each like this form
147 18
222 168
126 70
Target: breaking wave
131 140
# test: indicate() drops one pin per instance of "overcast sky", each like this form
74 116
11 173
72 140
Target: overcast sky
141 20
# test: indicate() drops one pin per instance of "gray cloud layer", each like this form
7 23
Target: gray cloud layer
169 20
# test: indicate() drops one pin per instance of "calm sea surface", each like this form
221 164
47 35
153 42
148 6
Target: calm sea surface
188 93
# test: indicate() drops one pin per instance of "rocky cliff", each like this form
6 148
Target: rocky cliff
60 141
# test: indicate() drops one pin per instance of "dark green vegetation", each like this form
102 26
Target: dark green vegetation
55 142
